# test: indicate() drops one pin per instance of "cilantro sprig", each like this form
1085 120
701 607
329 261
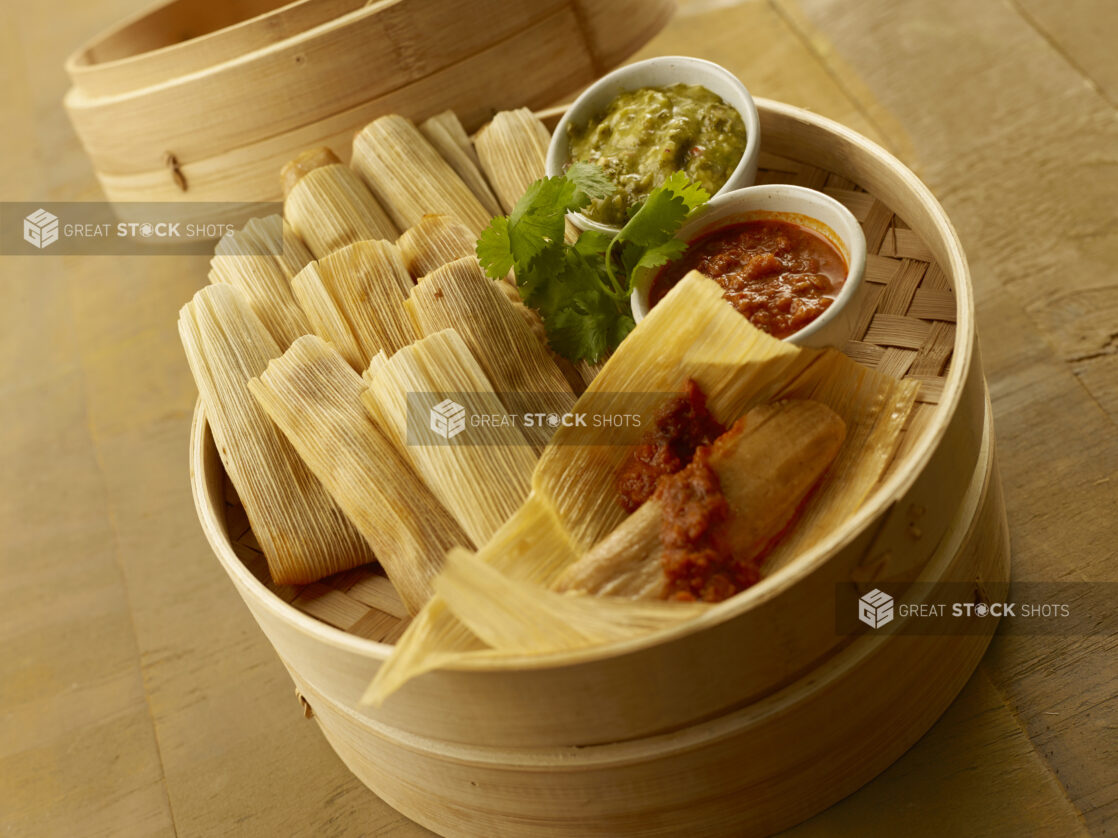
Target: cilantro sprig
582 290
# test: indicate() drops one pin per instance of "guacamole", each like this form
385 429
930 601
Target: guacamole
645 135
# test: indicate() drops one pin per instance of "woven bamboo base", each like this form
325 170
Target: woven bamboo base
906 329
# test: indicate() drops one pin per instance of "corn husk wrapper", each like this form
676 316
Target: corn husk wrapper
433 241
446 134
693 334
459 296
354 299
329 206
301 530
314 397
437 240
512 150
482 474
260 261
303 163
410 178
519 617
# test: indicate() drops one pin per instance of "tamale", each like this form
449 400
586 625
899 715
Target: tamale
302 164
693 334
459 296
483 473
328 206
433 241
410 178
314 397
766 464
735 364
450 139
354 298
875 408
512 150
260 260
439 239
301 530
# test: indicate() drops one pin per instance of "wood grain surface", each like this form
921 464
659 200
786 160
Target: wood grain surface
137 696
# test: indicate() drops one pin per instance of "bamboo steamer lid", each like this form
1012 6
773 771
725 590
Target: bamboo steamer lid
187 36
214 117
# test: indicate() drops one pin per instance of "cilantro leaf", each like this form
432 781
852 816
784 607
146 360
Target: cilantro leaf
581 290
493 249
536 222
592 243
634 259
663 211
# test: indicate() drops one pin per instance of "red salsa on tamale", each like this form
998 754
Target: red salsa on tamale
698 558
681 425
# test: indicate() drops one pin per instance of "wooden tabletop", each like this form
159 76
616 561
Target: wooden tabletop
137 695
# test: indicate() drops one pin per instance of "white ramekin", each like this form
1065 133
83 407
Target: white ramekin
809 207
659 72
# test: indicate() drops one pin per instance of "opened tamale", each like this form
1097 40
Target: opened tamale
761 469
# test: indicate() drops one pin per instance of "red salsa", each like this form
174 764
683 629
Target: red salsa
681 425
779 274
698 558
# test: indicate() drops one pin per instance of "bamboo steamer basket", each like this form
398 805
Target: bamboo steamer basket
214 118
752 772
754 716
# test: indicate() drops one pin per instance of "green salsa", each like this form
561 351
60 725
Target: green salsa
645 135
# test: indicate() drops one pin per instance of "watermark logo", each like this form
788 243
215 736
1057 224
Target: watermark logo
875 609
448 419
98 228
40 228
